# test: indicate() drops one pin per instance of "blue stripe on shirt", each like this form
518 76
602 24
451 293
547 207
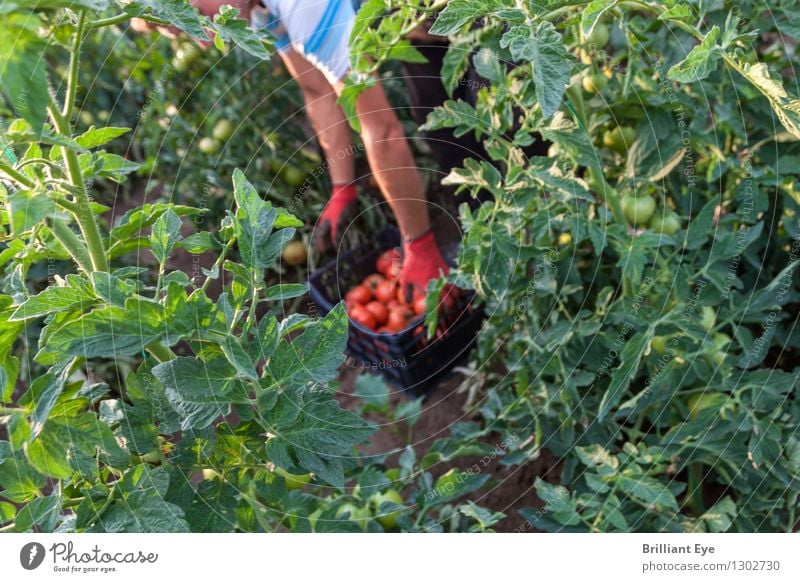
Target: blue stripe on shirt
323 26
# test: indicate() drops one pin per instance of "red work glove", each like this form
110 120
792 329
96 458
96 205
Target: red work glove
422 262
337 214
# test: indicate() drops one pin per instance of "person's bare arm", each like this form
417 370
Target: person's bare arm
391 161
326 116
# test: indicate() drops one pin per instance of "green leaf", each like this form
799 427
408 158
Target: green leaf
648 490
558 501
22 68
240 359
42 513
238 31
311 431
785 106
166 233
28 209
107 332
285 291
630 360
199 391
457 13
701 226
214 507
65 440
94 137
700 62
199 242
593 12
253 223
179 13
75 294
315 355
144 512
552 64
719 518
113 289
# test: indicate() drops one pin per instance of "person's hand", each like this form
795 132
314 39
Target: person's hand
337 214
422 262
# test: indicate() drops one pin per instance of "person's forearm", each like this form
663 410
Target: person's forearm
333 133
391 160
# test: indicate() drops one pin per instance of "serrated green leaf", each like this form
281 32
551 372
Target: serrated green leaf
700 62
166 233
199 391
544 49
94 137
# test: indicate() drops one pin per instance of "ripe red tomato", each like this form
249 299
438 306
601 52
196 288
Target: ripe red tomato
358 294
392 303
385 291
371 282
400 317
419 305
379 311
385 262
415 294
362 316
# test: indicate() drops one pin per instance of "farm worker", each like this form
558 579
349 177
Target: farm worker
312 40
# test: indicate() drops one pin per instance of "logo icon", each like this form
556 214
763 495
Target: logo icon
31 555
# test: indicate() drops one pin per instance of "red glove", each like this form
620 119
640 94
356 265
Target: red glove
422 262
337 214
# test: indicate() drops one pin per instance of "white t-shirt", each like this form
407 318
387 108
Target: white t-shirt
317 29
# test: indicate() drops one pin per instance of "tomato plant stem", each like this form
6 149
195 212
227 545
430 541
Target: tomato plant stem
16 176
74 61
73 244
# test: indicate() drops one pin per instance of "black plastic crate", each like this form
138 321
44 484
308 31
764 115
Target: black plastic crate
407 360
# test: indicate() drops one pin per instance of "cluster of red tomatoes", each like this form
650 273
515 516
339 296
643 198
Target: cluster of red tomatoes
378 302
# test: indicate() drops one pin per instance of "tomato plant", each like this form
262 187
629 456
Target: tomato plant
663 216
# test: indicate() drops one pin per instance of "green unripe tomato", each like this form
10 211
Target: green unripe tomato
293 176
708 318
154 457
293 481
208 145
585 57
594 83
669 224
720 340
223 130
702 400
359 515
599 36
638 210
210 474
659 344
388 520
619 139
314 517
